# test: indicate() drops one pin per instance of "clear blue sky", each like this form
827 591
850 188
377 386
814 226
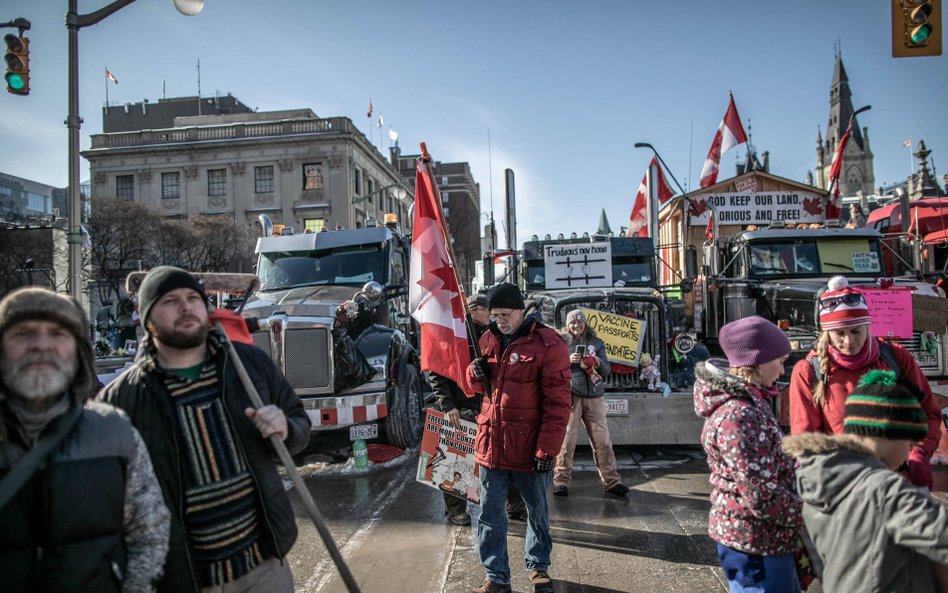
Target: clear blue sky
565 88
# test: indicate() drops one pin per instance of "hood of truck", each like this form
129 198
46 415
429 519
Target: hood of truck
315 301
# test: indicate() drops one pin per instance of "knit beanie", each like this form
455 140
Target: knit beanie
842 306
752 341
574 315
506 296
878 407
477 300
41 304
162 280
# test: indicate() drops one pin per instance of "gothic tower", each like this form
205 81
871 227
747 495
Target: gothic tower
856 172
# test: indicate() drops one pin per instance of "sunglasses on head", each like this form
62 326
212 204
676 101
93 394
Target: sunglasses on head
849 299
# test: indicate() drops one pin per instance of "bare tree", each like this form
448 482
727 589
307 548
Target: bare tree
121 232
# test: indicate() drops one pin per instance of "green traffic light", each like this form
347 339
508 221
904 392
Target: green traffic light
920 34
15 81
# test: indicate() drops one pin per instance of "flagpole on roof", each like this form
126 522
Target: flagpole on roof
107 90
468 322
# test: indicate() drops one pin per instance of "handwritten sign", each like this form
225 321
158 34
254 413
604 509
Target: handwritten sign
753 207
622 336
847 256
578 265
890 312
446 457
929 313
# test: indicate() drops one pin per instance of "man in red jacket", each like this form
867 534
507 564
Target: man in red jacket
520 430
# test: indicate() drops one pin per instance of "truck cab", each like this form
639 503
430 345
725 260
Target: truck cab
303 279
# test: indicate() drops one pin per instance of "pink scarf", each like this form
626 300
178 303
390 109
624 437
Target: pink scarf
868 355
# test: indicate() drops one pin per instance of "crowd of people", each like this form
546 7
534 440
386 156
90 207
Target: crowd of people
165 479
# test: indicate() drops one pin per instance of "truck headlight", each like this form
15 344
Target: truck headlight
378 363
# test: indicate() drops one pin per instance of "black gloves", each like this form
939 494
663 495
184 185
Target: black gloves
542 464
479 368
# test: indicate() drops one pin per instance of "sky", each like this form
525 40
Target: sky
562 90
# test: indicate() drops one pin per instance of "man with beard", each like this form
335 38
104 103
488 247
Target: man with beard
80 507
232 525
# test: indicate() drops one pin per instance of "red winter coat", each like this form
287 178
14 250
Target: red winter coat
806 417
530 401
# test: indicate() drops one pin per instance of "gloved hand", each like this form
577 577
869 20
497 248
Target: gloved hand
920 468
542 463
479 368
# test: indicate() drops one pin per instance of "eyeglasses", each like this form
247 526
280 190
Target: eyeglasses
501 316
849 299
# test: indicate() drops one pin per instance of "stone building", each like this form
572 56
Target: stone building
461 198
856 173
303 171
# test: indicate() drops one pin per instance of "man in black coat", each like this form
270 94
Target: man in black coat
232 522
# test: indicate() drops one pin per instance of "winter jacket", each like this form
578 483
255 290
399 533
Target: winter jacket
874 531
91 518
581 383
528 409
754 508
806 417
141 392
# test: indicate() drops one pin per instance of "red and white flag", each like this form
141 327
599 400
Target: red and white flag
637 221
368 112
907 143
110 77
833 205
730 133
434 298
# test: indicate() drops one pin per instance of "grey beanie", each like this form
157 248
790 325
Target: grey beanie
506 296
161 280
41 304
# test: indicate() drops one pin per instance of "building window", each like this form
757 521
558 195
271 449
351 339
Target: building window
313 176
444 197
217 182
358 182
125 187
263 179
313 225
170 186
369 187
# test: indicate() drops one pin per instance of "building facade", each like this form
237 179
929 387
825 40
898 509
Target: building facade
461 199
23 201
303 171
856 173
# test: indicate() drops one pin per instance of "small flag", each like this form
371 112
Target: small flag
381 121
110 77
392 134
638 225
907 143
368 112
730 133
86 239
834 204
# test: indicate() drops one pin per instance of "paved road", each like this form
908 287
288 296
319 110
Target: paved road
392 531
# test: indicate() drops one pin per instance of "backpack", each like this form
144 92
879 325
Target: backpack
885 353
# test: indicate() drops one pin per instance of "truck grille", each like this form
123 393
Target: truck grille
617 382
307 356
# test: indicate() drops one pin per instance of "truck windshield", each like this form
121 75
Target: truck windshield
354 266
814 257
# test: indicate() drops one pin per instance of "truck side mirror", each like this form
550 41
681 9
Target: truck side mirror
691 262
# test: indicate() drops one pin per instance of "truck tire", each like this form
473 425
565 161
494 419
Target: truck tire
405 414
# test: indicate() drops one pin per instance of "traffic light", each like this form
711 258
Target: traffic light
18 64
916 28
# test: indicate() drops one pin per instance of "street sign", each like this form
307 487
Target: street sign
363 431
578 265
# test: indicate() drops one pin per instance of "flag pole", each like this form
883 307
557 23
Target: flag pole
426 160
107 92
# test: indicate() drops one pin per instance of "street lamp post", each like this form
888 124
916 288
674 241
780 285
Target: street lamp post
653 203
74 22
359 199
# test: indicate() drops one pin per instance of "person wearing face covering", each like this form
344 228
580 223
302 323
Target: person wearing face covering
844 352
755 511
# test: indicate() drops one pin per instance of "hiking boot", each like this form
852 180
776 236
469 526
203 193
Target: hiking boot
542 583
489 586
560 491
619 490
461 519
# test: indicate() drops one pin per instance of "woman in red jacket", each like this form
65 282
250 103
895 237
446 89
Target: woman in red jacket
845 351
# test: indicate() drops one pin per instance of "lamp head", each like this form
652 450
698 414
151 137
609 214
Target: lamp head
188 7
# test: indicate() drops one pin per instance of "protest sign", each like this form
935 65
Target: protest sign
446 459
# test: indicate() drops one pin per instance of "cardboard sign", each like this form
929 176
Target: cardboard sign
446 458
623 336
929 313
578 265
890 312
758 208
849 256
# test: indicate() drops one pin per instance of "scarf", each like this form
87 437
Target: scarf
868 355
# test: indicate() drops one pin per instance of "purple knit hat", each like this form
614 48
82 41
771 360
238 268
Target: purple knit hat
752 341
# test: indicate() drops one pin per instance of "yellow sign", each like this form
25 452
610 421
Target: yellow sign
849 256
622 335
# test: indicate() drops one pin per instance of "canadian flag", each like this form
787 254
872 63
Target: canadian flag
110 77
434 298
730 133
368 112
833 204
637 221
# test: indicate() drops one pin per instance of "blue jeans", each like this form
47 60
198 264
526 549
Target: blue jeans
753 573
492 525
